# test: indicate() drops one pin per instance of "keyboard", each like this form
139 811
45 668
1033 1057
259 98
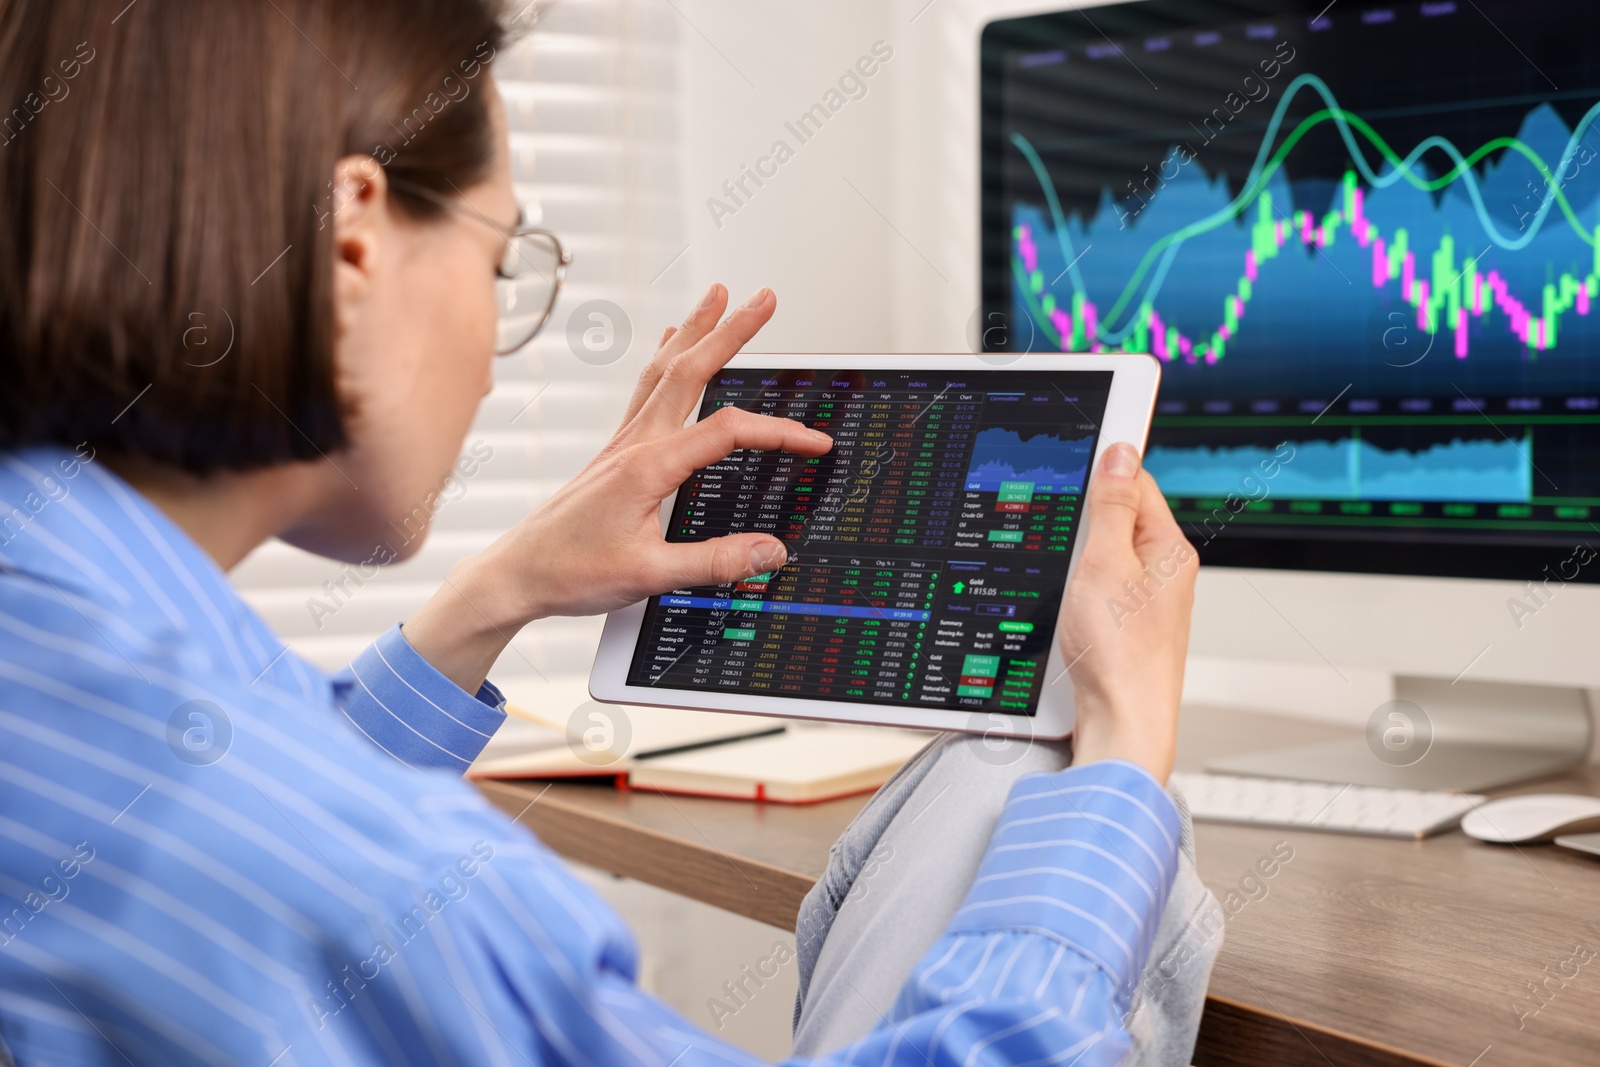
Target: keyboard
1348 809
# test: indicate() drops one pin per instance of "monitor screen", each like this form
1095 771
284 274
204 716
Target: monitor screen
928 549
1364 241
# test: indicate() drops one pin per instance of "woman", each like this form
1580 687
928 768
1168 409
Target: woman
331 178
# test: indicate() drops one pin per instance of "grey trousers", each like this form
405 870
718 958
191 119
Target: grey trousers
900 870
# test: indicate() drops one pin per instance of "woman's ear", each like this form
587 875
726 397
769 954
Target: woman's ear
360 216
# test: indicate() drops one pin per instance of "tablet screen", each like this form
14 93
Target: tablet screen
928 551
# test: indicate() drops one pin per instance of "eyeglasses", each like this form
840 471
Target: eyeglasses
529 276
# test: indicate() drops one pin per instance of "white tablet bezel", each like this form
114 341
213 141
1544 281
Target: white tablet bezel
1129 408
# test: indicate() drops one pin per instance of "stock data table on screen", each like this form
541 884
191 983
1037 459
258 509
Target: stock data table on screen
927 550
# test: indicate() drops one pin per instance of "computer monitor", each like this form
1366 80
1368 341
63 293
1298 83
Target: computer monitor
1364 241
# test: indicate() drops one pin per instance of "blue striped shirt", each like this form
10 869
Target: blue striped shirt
212 853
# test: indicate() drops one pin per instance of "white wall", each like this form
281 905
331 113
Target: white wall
750 68
869 234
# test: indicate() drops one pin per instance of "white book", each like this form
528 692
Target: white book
536 744
700 753
803 765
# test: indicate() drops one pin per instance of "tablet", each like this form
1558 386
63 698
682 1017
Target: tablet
928 550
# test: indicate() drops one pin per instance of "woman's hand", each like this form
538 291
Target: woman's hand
596 544
1124 628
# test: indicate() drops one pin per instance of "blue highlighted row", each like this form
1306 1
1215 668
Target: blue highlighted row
787 608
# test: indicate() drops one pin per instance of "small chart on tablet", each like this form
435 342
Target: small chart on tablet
928 551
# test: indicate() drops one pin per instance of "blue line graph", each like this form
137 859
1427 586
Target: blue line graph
1052 464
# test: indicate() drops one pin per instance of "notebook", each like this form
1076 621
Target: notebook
531 746
803 765
699 753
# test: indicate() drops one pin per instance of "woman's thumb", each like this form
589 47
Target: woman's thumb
723 559
1113 502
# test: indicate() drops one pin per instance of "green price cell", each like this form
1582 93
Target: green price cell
981 665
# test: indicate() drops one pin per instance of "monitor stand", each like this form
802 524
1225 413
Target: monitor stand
1438 735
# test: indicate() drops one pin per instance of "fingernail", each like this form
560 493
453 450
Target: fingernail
759 298
710 297
820 436
766 557
1122 461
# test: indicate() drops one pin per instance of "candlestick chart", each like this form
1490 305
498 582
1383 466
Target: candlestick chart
1500 265
1391 304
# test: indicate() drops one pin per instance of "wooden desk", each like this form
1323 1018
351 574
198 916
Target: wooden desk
1357 951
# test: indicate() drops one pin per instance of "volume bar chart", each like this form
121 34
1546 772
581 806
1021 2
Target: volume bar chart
1499 470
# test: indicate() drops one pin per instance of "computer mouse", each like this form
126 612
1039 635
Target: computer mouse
1532 817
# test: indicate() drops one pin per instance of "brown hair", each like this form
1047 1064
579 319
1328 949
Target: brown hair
166 244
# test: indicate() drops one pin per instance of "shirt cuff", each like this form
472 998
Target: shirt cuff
414 713
1086 855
